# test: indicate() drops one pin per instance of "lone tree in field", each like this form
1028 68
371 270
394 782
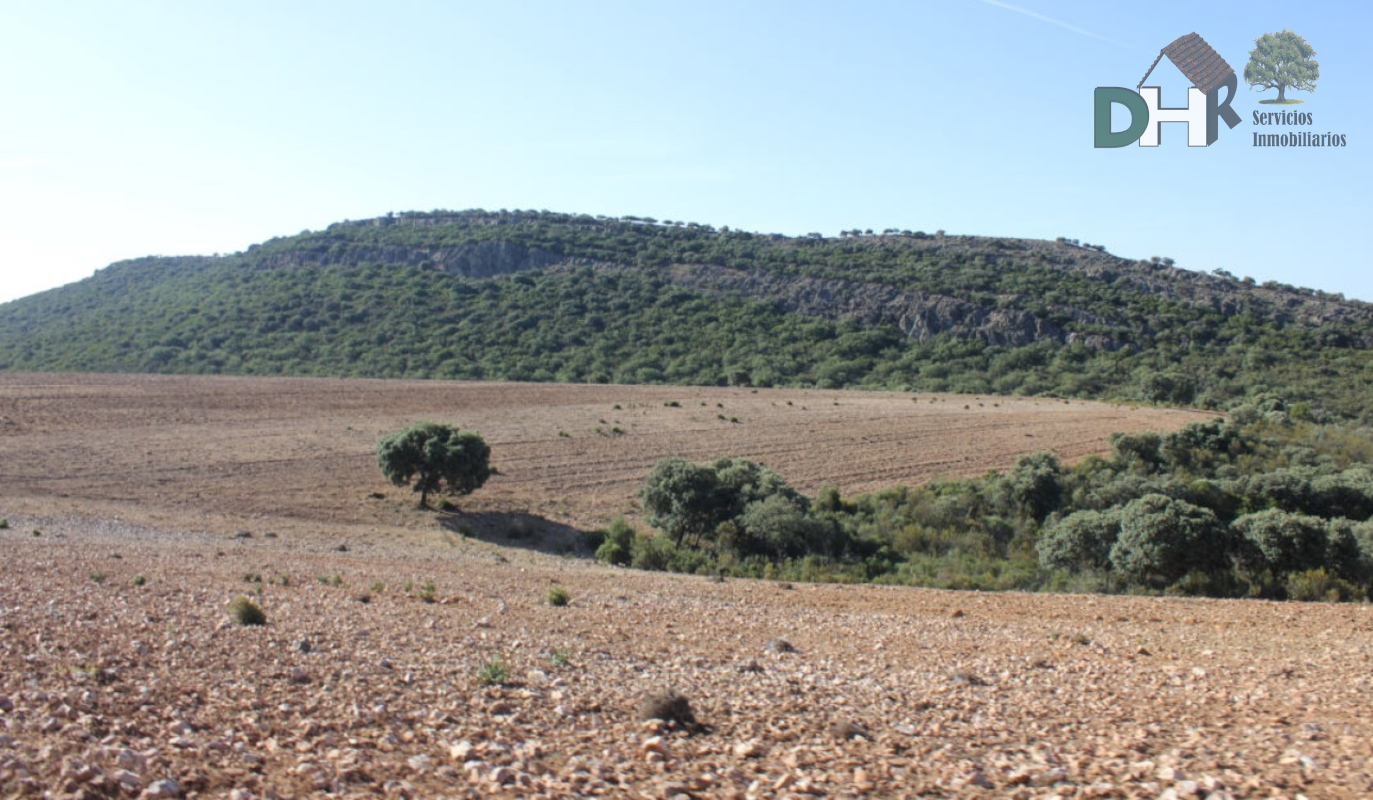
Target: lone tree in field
436 457
1282 60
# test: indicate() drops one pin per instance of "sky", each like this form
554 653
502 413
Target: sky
170 128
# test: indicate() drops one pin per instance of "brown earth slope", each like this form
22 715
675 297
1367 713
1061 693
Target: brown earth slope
577 454
121 676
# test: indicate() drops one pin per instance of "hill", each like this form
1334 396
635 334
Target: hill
560 297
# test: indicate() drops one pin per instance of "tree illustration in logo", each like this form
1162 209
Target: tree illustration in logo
1281 61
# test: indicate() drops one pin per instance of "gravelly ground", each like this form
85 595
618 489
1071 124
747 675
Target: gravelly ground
110 689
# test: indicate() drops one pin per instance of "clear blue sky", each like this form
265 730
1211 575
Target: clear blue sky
140 128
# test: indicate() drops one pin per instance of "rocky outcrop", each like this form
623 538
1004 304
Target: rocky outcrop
494 257
484 259
918 315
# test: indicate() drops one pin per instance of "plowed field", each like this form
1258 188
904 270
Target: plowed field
575 454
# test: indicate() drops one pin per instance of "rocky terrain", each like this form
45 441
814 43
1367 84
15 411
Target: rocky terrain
124 676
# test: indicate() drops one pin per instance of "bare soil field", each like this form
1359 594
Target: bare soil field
303 449
137 507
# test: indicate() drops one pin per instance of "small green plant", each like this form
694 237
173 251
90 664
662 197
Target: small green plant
427 592
1318 585
557 596
97 577
337 580
378 587
139 580
252 577
493 673
673 404
324 579
560 658
245 612
564 435
37 533
617 544
4 523
409 586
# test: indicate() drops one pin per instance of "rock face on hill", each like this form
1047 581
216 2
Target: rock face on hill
918 315
485 259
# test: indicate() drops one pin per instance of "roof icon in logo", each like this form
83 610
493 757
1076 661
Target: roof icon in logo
1205 109
1195 59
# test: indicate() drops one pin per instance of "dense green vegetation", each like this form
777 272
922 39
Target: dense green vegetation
389 298
1264 504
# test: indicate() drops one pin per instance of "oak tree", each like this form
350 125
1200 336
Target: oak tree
436 457
1281 61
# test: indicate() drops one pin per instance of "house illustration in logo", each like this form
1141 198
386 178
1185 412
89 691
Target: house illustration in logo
1207 71
1195 59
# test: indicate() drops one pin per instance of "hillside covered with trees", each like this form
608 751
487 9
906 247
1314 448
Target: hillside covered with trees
561 297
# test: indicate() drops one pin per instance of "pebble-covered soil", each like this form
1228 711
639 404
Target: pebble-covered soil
122 675
402 658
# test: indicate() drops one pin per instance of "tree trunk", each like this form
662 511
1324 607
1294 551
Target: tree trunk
424 499
1281 89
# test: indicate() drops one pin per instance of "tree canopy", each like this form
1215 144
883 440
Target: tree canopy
436 457
1282 61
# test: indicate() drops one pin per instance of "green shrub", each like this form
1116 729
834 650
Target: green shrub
777 526
659 553
138 580
244 611
1081 540
1162 539
618 544
1035 484
1138 452
493 673
557 596
652 553
1285 542
1318 585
